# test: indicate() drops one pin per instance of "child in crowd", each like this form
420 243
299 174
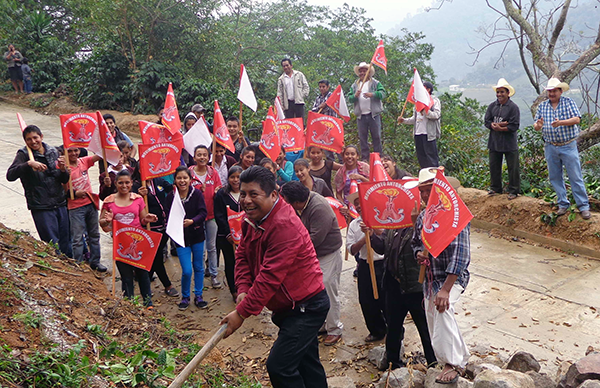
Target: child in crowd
26 70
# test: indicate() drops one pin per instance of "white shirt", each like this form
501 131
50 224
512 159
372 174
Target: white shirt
420 125
222 170
364 102
288 83
355 234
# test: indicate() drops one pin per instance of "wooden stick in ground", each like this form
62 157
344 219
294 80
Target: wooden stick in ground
146 201
371 267
187 371
423 269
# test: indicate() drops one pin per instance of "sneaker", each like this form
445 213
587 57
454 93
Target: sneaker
200 303
184 304
172 292
562 211
214 282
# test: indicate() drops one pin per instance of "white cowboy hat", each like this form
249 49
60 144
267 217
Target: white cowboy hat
502 83
366 66
426 176
554 83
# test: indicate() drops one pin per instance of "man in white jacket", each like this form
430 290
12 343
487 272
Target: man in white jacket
292 89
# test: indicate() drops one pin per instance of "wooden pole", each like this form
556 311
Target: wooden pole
30 152
146 202
104 160
423 270
187 371
371 266
114 271
71 193
368 73
241 131
404 107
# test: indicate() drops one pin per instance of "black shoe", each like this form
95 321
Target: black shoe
98 267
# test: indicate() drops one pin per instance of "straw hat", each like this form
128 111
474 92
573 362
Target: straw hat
427 175
502 83
554 83
366 66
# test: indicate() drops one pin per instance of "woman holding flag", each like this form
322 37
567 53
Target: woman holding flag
228 196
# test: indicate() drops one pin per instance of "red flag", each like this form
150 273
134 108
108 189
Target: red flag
386 205
445 217
220 129
170 116
337 102
270 144
159 159
325 132
352 192
418 95
336 206
379 58
134 246
235 220
153 133
103 143
21 122
78 129
376 169
291 132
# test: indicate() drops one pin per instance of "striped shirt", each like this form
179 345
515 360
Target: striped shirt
454 260
566 109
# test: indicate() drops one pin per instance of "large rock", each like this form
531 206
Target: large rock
340 382
588 368
378 357
503 379
590 384
523 362
402 378
473 368
432 374
541 380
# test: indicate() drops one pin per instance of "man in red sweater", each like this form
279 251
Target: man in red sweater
277 267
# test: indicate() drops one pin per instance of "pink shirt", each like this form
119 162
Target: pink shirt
129 215
81 181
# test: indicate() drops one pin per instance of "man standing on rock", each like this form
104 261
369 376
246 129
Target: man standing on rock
502 118
277 267
443 287
322 225
292 89
558 119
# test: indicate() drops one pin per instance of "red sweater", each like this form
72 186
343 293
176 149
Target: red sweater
276 263
211 185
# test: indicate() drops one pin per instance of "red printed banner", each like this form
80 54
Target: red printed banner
291 132
379 58
134 246
220 129
445 217
153 133
337 102
386 205
235 220
376 169
159 159
325 132
170 116
270 143
336 206
78 129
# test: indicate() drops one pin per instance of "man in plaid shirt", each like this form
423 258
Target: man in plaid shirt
558 118
442 289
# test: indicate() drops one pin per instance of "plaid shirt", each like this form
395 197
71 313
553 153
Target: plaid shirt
321 99
453 260
566 109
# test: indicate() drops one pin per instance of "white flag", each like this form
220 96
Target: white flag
418 95
113 155
279 109
198 134
246 94
175 221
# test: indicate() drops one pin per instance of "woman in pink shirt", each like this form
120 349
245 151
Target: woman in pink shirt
128 208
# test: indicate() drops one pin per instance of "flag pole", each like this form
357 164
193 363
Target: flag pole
241 130
404 107
114 269
30 152
104 160
71 193
146 202
365 76
423 269
371 266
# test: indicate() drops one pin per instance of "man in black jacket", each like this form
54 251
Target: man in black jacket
42 179
402 291
502 119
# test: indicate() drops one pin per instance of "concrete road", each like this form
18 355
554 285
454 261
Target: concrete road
521 297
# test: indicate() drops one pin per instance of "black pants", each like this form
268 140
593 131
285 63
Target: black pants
427 152
159 263
229 257
514 177
294 359
294 110
127 273
373 310
397 306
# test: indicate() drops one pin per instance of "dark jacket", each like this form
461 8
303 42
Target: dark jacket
322 225
399 173
503 141
43 189
222 200
195 210
320 187
158 190
394 245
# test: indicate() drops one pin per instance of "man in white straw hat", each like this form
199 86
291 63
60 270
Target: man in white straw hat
558 119
449 278
366 94
502 118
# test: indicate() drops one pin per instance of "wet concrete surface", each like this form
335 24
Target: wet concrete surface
520 297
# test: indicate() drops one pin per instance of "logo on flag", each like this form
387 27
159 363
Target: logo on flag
292 134
386 204
220 129
235 220
159 159
325 132
170 116
379 58
269 142
153 133
376 169
78 129
134 246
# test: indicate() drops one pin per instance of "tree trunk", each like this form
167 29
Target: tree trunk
589 137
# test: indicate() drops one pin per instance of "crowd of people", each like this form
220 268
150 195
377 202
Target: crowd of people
291 251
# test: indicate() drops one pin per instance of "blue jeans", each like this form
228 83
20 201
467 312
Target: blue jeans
210 230
567 156
53 225
27 85
366 124
83 220
191 257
